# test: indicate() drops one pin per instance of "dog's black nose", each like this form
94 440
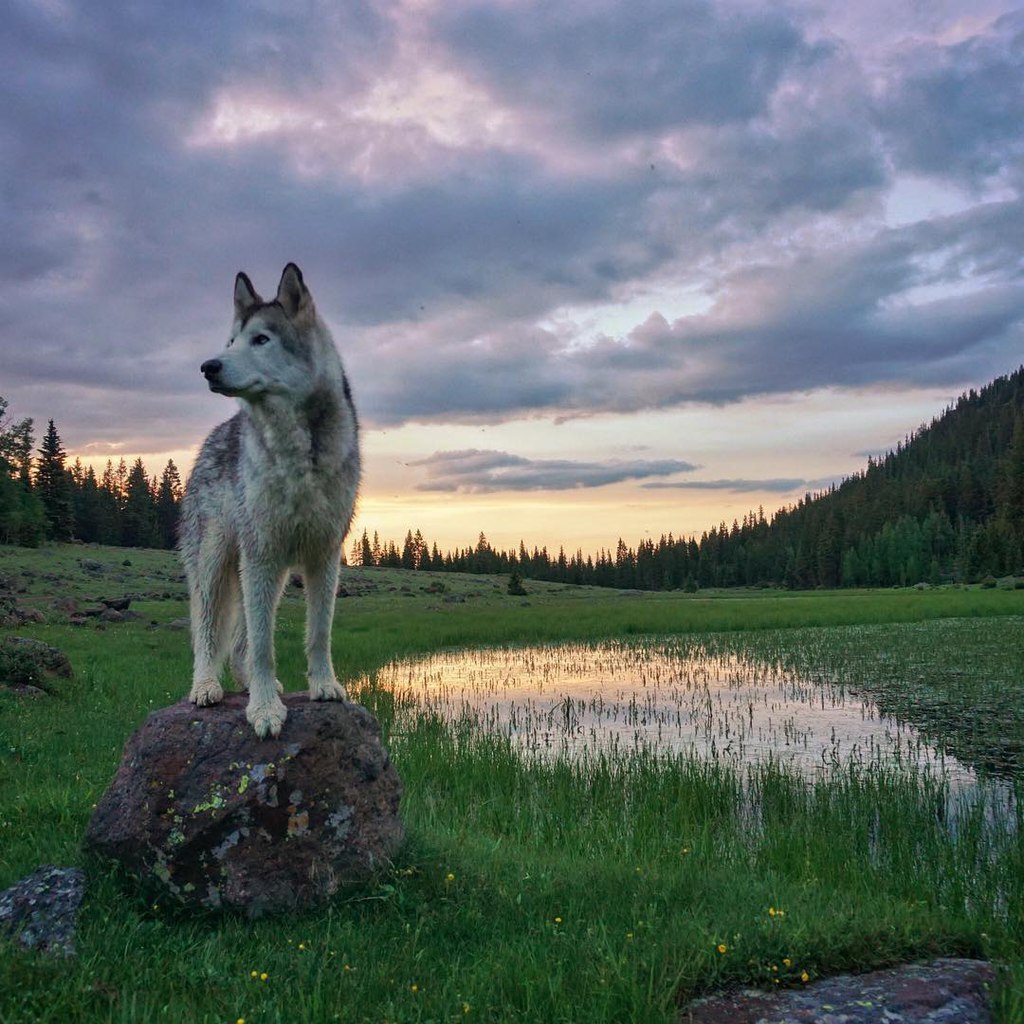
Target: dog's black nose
211 368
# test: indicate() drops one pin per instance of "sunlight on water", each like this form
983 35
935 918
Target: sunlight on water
666 696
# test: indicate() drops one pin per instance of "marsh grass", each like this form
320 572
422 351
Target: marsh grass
600 888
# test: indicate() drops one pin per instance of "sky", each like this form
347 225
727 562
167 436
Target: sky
596 269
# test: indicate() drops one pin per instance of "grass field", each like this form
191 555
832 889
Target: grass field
611 889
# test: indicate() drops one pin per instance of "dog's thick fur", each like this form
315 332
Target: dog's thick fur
273 487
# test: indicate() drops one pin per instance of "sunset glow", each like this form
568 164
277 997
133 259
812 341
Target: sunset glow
595 271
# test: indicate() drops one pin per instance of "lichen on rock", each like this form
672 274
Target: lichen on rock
211 816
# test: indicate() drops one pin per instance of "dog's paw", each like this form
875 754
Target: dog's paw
267 719
326 689
206 692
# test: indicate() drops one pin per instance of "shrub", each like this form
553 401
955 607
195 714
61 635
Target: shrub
515 585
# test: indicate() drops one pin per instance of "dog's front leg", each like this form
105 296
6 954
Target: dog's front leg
213 600
321 586
261 591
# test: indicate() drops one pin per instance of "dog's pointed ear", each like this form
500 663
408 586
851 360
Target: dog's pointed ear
245 295
292 293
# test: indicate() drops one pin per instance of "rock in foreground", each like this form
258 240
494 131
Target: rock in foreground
947 991
211 816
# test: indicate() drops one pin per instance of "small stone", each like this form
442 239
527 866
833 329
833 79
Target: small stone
41 910
13 584
25 690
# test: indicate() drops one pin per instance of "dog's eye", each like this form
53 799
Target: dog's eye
259 339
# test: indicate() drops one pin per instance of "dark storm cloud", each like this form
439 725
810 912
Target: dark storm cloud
481 472
120 245
624 69
147 158
841 318
957 111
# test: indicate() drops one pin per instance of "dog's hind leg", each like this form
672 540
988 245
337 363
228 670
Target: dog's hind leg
321 587
213 604
261 590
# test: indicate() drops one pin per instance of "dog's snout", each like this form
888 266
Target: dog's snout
211 368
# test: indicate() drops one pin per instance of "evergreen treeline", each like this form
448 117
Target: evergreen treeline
946 505
42 498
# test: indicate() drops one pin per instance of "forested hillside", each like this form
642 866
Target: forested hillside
946 505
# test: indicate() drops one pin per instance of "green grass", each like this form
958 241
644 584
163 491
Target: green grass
595 891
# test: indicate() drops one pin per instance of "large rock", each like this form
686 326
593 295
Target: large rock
211 816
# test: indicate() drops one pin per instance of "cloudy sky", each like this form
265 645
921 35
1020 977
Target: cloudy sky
595 268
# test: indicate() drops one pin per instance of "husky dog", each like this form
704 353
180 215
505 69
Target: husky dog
273 487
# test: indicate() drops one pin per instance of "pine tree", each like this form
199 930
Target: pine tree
16 441
420 551
108 523
408 552
139 523
53 486
365 550
88 505
168 502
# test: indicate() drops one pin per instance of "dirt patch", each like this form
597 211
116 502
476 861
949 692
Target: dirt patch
949 991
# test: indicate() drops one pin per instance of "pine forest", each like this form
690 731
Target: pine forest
946 505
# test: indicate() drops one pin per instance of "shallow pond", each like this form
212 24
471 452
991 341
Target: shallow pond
668 696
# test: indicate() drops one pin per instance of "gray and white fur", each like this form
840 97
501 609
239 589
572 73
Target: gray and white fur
273 488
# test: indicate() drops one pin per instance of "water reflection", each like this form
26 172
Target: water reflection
665 696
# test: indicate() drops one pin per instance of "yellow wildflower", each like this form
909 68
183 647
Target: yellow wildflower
264 976
786 962
722 948
805 977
